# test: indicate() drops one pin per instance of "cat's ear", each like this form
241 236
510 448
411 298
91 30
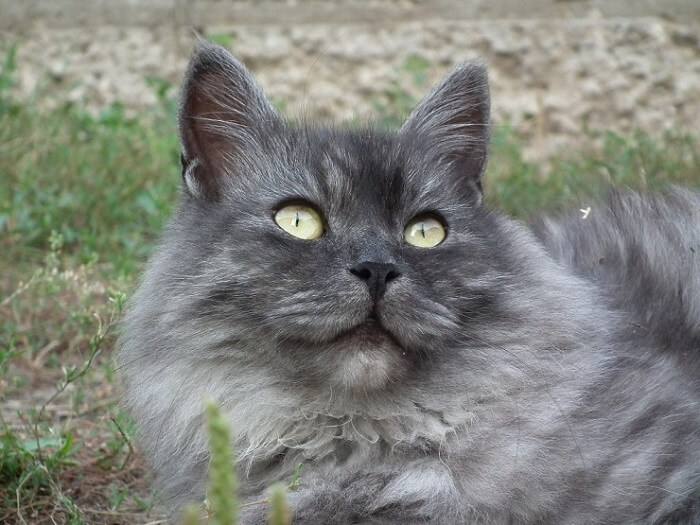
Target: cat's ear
223 115
452 122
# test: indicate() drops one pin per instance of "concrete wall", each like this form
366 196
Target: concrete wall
557 66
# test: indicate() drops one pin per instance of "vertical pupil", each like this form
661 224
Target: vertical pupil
296 219
422 229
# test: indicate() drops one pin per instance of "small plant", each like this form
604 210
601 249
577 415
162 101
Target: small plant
7 69
222 485
221 505
280 514
39 452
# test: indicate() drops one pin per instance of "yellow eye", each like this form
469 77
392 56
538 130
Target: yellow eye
300 220
424 232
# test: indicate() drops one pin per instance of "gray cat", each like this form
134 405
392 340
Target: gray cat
354 307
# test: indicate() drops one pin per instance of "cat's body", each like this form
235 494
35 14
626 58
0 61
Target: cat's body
513 380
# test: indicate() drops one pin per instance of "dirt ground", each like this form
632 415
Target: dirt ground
558 67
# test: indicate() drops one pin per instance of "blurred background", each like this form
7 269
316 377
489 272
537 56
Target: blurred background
558 67
585 94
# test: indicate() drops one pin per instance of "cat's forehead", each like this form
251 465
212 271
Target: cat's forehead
354 161
365 168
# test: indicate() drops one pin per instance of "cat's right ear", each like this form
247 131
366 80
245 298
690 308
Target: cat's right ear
223 115
452 123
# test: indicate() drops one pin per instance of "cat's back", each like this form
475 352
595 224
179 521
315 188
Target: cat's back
644 253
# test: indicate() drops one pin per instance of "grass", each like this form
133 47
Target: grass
82 199
640 161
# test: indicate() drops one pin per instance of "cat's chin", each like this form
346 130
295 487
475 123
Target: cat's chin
369 358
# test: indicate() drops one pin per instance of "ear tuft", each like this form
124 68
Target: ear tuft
452 122
222 115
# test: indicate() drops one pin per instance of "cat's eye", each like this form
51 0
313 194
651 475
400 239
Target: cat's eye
300 220
424 231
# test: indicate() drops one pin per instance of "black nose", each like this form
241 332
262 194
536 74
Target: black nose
377 275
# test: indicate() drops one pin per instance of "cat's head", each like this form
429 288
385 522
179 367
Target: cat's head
351 257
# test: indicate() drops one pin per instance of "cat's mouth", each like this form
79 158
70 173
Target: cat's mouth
370 331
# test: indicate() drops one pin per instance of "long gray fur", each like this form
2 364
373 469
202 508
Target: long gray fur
548 377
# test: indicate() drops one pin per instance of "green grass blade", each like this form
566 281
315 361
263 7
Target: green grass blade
222 479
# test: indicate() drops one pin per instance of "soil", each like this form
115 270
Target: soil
559 68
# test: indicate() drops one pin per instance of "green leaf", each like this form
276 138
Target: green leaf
32 445
67 447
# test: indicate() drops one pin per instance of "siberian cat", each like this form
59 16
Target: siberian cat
354 306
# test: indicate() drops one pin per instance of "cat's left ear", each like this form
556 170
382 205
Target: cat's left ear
452 122
224 120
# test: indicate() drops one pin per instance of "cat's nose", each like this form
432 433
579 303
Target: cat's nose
376 275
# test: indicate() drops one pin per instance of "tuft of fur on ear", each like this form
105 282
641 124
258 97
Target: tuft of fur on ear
223 114
452 121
